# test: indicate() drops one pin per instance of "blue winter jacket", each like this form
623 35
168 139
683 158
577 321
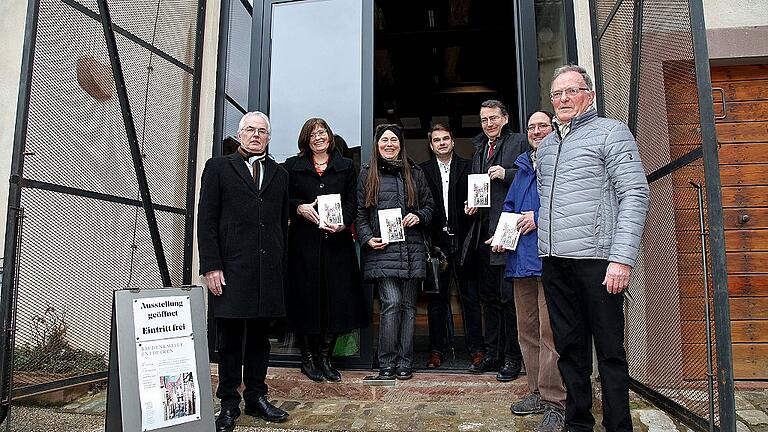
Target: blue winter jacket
523 196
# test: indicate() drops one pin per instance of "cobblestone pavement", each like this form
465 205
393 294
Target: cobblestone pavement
428 402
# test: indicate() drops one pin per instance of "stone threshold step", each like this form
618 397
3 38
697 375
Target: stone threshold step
291 384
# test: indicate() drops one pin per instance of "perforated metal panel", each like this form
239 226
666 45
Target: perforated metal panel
84 230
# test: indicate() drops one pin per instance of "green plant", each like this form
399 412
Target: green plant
50 351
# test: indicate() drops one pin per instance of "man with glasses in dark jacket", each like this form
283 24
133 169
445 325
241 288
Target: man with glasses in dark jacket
496 150
242 226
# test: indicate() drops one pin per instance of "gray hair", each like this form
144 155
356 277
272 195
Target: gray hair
493 103
573 68
258 114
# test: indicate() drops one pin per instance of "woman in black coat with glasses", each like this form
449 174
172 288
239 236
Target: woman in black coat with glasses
324 297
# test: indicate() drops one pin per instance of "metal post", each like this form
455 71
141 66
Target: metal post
715 221
596 63
10 267
221 78
707 319
194 123
11 332
261 17
634 83
527 59
571 46
133 142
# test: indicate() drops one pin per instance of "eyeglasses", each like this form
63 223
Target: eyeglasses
533 127
492 119
250 130
318 134
570 92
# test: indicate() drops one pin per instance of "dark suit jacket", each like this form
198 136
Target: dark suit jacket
242 230
509 145
458 222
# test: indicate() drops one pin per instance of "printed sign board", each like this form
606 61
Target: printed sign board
159 374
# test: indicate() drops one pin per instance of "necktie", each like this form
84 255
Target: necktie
255 167
491 147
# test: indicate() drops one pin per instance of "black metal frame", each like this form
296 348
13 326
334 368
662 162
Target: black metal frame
637 45
597 35
680 412
194 123
130 36
709 148
709 152
10 268
571 44
133 142
221 96
18 182
527 53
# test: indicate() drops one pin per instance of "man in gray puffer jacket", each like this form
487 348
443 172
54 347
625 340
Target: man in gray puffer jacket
594 198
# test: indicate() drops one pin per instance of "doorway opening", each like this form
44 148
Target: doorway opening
436 61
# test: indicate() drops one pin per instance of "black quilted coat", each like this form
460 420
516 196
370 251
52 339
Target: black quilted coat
402 259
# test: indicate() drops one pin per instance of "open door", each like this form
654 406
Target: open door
313 58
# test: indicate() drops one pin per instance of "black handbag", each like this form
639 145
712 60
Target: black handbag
437 262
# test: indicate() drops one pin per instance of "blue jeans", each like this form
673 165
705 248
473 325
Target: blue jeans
397 321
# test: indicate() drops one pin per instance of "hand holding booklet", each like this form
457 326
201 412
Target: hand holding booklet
479 192
391 225
507 233
329 209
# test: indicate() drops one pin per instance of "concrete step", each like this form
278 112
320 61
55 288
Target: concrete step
425 386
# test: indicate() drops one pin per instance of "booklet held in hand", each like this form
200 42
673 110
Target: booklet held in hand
507 233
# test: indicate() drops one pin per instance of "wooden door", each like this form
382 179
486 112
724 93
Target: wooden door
743 137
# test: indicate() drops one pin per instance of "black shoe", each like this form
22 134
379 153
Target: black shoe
510 371
326 345
486 365
387 373
266 410
328 370
309 366
225 422
404 373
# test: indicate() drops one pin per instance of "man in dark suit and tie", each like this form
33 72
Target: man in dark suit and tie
242 228
446 174
496 150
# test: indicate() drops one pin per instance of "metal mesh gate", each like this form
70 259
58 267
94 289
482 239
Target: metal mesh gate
80 220
652 71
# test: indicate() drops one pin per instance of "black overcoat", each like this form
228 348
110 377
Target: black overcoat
324 290
509 145
242 230
405 259
458 221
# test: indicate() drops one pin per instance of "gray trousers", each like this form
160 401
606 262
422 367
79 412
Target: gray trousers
397 321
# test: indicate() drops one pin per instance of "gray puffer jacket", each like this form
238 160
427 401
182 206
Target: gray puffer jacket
401 259
594 194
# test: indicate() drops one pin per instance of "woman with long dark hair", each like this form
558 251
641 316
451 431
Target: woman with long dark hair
323 294
390 181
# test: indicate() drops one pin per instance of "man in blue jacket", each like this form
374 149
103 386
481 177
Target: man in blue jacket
547 393
594 198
